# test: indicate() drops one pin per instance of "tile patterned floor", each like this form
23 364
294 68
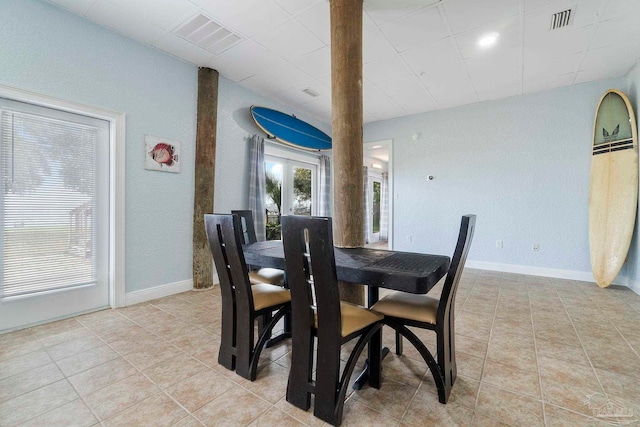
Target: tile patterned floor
531 351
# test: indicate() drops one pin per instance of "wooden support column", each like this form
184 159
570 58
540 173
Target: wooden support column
204 175
347 110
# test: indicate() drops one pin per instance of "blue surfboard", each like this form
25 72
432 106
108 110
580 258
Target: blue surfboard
290 130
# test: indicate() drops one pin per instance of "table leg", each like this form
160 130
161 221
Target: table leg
372 296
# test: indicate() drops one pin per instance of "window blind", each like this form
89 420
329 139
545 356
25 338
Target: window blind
48 203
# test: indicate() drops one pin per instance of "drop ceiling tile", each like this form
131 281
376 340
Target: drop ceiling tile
385 69
503 91
296 96
319 108
290 40
317 20
422 27
387 111
435 55
563 42
510 34
464 15
79 7
548 82
111 16
383 11
620 56
615 31
538 65
444 73
249 17
537 23
535 4
276 79
245 60
403 87
373 97
456 101
317 63
376 47
492 79
295 6
591 75
502 56
183 49
165 14
451 89
620 9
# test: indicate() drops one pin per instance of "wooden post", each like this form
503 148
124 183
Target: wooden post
204 174
347 110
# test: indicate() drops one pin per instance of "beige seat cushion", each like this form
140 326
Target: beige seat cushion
272 276
265 295
354 318
421 308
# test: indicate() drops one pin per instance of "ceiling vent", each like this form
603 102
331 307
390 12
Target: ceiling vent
562 19
311 92
208 35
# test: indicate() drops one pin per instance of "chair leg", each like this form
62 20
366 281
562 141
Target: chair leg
446 357
326 399
244 344
300 373
263 321
398 344
226 354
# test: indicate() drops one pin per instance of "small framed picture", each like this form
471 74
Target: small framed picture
161 154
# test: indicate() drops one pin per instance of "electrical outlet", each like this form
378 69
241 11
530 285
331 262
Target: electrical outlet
535 247
499 244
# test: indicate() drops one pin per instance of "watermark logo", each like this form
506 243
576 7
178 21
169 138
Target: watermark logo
610 411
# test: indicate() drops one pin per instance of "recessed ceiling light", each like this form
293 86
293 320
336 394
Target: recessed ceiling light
376 146
376 166
488 39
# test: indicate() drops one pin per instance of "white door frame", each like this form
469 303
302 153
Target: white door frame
389 144
374 176
116 172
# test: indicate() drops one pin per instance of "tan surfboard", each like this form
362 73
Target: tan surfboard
613 192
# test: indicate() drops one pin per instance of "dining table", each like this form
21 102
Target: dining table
410 272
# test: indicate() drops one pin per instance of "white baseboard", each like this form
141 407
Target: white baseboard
143 295
585 276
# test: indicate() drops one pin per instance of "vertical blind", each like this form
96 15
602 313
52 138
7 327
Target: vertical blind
48 203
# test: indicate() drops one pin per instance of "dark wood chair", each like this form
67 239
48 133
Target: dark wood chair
242 303
437 314
257 275
318 312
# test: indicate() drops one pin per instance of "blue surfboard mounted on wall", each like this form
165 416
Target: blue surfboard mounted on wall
290 130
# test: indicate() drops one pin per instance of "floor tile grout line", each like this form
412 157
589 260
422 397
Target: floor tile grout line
535 351
484 362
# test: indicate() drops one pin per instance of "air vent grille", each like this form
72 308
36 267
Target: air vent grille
311 92
207 34
562 19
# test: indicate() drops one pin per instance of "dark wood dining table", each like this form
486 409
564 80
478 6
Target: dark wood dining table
415 273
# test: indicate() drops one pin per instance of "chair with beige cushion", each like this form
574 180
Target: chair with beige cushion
423 311
257 275
242 303
318 312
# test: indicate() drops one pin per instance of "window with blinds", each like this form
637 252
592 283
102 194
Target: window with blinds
50 209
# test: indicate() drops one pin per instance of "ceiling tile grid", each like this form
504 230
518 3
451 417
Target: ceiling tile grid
418 55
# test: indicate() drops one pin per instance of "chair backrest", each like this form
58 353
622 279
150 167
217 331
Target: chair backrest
225 242
311 270
248 226
447 298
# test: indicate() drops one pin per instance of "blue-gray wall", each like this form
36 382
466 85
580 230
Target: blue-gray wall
632 270
49 51
521 164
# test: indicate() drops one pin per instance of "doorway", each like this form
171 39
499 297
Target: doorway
379 194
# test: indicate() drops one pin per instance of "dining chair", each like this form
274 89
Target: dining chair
242 303
257 275
423 311
318 312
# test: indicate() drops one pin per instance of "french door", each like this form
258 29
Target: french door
54 210
290 190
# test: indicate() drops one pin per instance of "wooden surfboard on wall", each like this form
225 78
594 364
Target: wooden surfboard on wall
613 191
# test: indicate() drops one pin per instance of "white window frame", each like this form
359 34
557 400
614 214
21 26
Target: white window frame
294 158
116 173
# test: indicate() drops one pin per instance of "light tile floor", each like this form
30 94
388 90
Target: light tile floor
530 350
